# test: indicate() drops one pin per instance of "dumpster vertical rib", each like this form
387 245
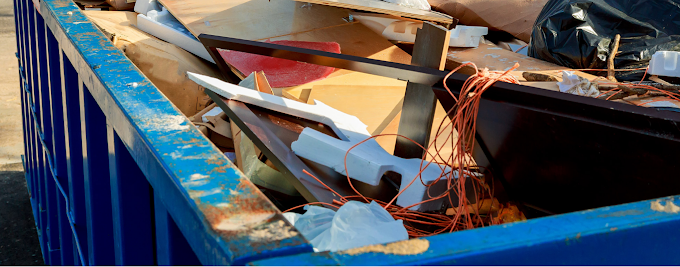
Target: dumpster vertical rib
132 209
96 181
171 246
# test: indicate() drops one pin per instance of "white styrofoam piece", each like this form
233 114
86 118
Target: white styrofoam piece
144 6
405 30
164 26
366 162
665 63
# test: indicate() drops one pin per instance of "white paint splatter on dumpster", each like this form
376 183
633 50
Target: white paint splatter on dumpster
163 122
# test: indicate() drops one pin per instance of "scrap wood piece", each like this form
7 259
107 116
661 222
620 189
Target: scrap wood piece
498 59
386 8
538 77
369 158
261 83
655 101
282 72
610 59
486 206
656 78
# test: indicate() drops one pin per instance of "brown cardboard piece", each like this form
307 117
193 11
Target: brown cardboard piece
163 63
516 17
121 5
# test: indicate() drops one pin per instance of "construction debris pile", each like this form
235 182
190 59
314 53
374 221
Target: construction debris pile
339 137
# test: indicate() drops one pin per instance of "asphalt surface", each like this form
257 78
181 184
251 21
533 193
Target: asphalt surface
18 237
19 243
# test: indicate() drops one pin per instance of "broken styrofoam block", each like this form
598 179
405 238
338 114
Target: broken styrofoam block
665 63
164 26
404 30
366 162
144 6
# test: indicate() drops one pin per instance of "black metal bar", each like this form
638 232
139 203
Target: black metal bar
377 67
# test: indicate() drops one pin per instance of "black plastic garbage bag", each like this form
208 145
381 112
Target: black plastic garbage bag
579 33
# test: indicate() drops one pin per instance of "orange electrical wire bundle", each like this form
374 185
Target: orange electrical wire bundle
462 116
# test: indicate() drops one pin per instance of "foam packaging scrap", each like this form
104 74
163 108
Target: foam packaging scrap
157 21
354 225
665 63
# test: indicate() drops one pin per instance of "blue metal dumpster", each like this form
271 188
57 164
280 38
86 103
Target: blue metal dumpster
117 175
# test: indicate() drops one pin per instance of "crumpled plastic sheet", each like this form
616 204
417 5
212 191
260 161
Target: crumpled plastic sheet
354 225
577 85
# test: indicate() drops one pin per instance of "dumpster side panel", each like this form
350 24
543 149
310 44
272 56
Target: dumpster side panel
116 174
629 234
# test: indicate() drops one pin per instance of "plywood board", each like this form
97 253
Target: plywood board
261 20
385 8
344 77
375 106
253 19
499 59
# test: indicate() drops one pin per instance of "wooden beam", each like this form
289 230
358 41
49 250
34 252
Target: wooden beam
430 49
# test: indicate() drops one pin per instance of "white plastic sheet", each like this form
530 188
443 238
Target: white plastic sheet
354 225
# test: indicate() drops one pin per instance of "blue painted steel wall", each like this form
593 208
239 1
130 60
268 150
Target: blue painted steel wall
116 174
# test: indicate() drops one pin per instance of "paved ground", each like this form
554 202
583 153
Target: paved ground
11 146
18 238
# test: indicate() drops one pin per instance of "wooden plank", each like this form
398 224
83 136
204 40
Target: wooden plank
499 59
386 8
375 106
261 83
419 101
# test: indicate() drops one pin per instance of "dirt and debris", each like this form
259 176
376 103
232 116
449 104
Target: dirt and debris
407 247
670 207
